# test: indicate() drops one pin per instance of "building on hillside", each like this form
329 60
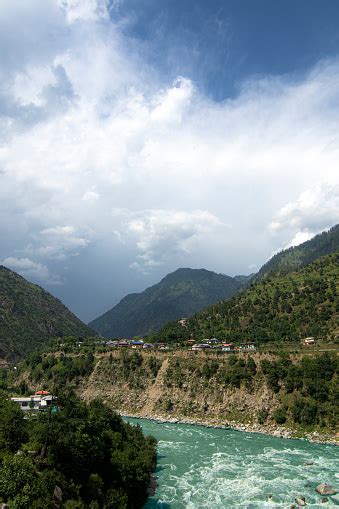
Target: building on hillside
147 345
211 341
183 322
309 341
202 346
111 344
247 347
122 344
137 345
162 346
37 402
228 347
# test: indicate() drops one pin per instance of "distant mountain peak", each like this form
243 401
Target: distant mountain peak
180 293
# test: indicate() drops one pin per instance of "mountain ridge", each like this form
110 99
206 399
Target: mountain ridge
179 294
29 315
295 257
281 307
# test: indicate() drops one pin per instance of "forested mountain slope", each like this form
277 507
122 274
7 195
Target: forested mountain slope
179 294
29 316
282 307
295 257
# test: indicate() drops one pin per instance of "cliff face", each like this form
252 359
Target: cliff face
181 385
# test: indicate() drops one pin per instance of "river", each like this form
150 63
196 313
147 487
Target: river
207 468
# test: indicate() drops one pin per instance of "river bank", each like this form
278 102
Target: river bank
270 430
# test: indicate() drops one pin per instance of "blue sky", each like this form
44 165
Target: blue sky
142 136
220 43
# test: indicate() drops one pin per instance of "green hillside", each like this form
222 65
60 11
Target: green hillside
295 257
29 316
180 294
282 307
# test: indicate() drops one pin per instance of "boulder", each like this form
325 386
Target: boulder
57 494
301 501
325 489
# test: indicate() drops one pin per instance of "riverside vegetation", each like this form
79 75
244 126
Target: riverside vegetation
84 456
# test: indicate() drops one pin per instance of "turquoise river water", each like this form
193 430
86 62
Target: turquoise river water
207 468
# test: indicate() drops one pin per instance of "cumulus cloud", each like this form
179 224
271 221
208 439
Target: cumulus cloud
161 235
99 152
29 268
314 210
57 243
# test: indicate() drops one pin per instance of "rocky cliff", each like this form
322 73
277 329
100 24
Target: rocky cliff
208 388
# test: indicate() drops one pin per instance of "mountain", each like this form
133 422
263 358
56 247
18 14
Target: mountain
180 294
29 316
281 307
295 257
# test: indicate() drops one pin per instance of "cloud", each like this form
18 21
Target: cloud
96 141
314 210
30 269
161 235
57 243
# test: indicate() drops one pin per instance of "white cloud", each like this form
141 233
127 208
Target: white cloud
57 243
90 197
90 127
161 235
315 209
30 269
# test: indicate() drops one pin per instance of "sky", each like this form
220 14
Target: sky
140 136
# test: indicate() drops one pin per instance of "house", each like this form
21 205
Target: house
202 346
211 341
309 341
247 346
227 347
121 344
136 345
111 344
35 403
183 322
147 345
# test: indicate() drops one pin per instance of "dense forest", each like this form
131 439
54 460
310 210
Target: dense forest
282 307
83 456
29 316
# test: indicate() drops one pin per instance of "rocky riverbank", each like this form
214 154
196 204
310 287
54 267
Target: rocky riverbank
271 430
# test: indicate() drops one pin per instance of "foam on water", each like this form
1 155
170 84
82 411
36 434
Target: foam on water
205 468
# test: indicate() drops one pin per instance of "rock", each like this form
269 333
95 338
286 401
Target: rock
325 489
308 463
301 501
57 494
324 500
